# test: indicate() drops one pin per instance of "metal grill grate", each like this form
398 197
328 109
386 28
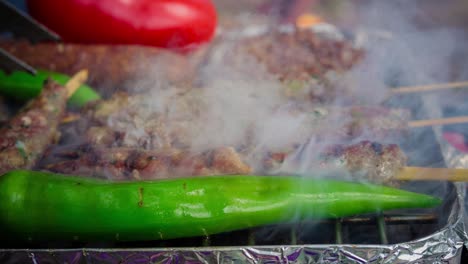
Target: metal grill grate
377 229
342 230
370 229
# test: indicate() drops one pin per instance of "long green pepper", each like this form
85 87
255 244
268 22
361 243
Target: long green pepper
24 86
44 206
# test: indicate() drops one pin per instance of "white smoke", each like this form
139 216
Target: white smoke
239 104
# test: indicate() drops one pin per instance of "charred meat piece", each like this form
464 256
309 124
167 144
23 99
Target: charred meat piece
109 65
25 137
130 163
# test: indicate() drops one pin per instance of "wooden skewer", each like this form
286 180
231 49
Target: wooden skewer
69 117
76 81
432 87
432 174
439 122
427 88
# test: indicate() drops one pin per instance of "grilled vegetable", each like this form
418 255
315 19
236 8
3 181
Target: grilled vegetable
23 86
42 206
162 23
25 137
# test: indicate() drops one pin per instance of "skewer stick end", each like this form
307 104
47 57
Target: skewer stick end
432 174
76 81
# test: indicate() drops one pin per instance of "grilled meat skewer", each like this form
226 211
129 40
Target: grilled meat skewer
299 57
5 112
125 120
25 137
301 54
366 160
131 163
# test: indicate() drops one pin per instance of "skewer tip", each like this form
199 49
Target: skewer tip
76 81
432 174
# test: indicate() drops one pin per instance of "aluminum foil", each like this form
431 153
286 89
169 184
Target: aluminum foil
453 158
443 246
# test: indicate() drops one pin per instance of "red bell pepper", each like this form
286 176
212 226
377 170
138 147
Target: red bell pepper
161 23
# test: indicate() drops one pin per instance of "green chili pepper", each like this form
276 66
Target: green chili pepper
43 206
24 86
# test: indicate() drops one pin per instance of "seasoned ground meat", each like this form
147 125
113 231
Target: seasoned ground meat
365 161
379 163
307 64
125 120
152 136
301 54
131 163
25 137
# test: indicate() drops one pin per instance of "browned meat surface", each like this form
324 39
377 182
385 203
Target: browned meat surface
125 121
307 64
369 161
25 137
109 65
379 163
130 163
101 135
129 121
301 60
366 160
373 122
301 54
156 135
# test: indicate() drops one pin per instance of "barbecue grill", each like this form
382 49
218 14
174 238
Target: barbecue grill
416 236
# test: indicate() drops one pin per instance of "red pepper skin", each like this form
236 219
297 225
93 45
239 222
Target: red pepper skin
162 23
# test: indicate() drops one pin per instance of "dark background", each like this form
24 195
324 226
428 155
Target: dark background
19 3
